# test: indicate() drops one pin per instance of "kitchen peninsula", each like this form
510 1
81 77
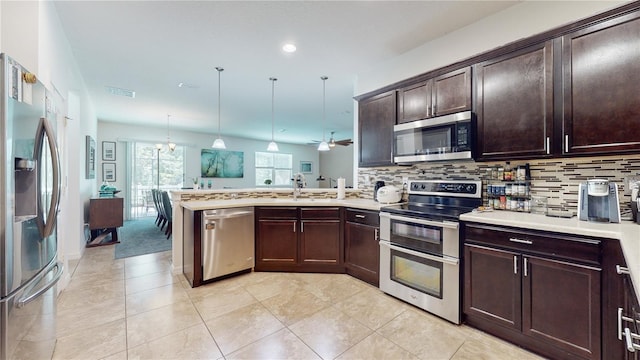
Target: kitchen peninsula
195 200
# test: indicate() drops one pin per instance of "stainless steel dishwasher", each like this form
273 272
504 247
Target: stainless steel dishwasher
227 241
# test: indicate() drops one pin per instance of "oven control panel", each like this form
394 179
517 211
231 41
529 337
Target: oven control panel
465 188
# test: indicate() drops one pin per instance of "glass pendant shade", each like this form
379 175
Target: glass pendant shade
273 146
158 146
323 146
219 144
172 146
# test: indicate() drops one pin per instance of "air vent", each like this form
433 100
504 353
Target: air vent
121 92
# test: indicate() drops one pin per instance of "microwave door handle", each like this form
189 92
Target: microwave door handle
46 224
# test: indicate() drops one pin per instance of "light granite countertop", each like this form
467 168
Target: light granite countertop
221 204
628 233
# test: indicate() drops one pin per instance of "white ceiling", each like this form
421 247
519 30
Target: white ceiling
152 46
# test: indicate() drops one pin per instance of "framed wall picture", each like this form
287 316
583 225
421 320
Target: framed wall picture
306 167
108 151
221 164
108 172
90 156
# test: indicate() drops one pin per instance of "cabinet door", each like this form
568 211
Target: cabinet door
561 305
515 104
320 242
601 70
362 252
277 242
452 92
492 285
414 102
377 115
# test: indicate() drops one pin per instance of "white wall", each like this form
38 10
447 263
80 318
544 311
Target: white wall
32 34
335 164
514 23
194 143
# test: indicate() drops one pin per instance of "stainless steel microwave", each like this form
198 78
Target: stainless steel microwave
448 137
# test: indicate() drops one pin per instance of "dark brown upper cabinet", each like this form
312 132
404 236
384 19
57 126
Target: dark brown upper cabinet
452 92
601 93
514 104
442 95
376 117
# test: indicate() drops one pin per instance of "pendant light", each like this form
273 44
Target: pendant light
272 145
172 146
323 145
219 143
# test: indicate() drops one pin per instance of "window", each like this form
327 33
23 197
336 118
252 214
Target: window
144 163
276 167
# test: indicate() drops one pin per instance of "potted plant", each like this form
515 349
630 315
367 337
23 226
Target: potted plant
195 183
267 182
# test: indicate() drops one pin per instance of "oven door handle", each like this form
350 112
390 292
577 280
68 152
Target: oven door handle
439 259
443 224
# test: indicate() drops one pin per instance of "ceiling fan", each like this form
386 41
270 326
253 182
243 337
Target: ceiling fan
333 142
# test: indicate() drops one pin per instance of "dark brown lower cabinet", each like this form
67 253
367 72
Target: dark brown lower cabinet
299 239
362 250
536 290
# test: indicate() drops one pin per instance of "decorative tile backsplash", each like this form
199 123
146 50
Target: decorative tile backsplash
557 179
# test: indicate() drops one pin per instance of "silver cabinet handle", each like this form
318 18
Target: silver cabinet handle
629 336
295 222
619 323
548 146
525 267
360 216
566 143
515 264
622 270
521 241
301 226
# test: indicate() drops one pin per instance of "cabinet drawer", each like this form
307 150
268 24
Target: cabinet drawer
316 213
560 246
363 217
277 212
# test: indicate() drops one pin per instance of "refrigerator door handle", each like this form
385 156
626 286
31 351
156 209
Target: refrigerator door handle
46 225
31 295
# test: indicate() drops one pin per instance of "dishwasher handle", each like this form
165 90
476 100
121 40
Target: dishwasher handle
226 216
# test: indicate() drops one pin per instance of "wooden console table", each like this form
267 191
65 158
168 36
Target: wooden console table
105 217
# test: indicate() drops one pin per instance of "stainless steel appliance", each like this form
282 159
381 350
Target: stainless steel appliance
448 137
420 245
29 197
228 241
598 201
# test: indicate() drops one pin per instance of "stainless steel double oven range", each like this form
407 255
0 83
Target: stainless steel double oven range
420 244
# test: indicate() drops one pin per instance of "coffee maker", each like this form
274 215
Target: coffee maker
598 201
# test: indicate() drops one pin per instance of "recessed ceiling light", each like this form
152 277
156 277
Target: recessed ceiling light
289 48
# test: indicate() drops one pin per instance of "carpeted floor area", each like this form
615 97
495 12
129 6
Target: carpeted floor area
139 237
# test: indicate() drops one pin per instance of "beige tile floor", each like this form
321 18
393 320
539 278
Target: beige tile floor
134 308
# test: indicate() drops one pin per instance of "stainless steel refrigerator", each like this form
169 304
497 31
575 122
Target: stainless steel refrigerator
29 198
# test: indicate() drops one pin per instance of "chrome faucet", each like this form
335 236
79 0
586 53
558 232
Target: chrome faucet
298 182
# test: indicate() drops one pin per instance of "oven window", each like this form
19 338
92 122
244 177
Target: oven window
417 236
417 273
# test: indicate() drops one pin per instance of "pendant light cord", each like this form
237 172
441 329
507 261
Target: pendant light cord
219 71
324 104
273 85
